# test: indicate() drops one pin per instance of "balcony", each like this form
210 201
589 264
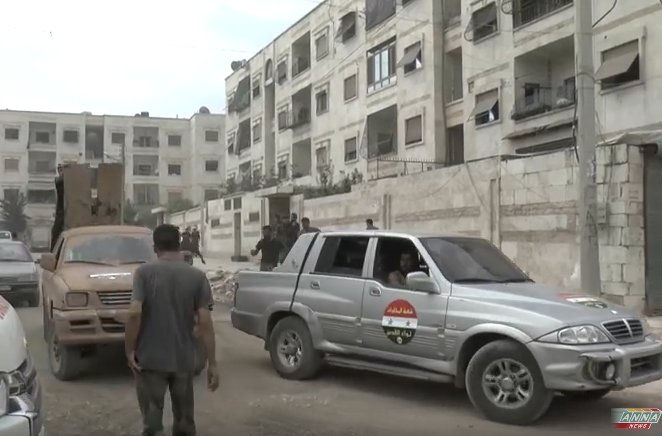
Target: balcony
528 11
42 163
146 137
539 100
301 55
301 107
42 135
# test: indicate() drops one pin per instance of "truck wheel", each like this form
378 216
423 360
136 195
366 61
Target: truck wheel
200 357
64 361
505 384
586 395
293 354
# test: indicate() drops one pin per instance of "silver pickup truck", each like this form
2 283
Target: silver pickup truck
442 308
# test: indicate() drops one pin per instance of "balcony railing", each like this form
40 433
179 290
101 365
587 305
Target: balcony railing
300 65
541 100
527 11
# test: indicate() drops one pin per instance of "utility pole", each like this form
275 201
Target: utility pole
586 143
123 182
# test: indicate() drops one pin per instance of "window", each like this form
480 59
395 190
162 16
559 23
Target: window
174 170
211 166
282 169
211 135
342 256
231 141
11 164
322 99
484 22
236 203
256 86
389 260
257 131
174 140
253 217
43 137
283 119
414 130
215 222
347 28
322 155
350 149
70 136
349 88
381 66
281 72
41 196
211 194
11 134
413 58
146 194
378 11
144 170
620 65
322 45
227 205
117 138
487 107
527 11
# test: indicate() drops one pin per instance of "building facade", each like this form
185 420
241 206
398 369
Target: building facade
387 87
166 159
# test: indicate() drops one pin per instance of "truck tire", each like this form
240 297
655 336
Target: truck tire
505 384
64 361
586 395
293 354
200 357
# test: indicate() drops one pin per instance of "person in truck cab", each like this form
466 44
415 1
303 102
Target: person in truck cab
399 276
271 249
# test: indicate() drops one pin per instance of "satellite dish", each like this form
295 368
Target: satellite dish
235 65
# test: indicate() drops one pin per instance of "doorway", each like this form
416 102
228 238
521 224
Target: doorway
653 229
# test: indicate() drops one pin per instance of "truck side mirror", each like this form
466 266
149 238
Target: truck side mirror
47 262
419 281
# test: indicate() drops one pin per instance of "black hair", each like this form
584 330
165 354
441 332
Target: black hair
368 221
305 219
166 237
267 227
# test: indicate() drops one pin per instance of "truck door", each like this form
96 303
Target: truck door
396 319
334 289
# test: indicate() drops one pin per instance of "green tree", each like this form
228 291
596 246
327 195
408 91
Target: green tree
12 212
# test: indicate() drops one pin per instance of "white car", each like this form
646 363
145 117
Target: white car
20 392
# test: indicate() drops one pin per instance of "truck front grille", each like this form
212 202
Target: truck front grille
115 298
625 329
110 325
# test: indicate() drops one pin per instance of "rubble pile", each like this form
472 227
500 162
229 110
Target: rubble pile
222 286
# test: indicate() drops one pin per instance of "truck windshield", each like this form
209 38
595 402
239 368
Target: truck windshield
109 249
472 260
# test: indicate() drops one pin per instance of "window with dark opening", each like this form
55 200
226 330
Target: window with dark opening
347 28
43 137
174 170
378 11
117 138
11 134
487 107
211 166
70 136
342 256
174 140
322 100
211 135
620 65
413 58
484 22
349 88
350 149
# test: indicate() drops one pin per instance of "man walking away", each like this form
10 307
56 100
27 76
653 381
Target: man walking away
186 240
292 232
195 242
270 247
168 297
370 225
306 227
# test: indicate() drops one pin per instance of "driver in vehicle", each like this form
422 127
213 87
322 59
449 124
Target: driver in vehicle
398 277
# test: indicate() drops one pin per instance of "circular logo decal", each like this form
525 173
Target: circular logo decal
400 322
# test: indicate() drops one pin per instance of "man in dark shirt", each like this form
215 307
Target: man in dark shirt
292 231
169 296
306 227
270 247
195 244
370 225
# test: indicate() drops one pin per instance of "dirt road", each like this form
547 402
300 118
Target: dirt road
254 401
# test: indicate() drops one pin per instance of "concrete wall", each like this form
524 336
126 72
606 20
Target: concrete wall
525 206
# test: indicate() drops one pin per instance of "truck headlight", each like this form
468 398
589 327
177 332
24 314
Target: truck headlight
76 299
4 395
578 335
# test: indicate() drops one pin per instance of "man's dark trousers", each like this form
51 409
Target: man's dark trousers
151 387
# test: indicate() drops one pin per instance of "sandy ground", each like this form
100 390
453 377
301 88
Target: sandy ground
253 400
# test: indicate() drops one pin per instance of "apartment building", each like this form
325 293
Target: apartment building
388 87
166 159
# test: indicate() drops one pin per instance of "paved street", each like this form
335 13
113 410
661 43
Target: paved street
253 400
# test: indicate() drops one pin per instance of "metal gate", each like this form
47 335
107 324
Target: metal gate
653 217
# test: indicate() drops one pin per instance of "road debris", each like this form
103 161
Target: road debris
223 284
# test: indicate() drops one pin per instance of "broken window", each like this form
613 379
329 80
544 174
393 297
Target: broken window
174 170
281 72
257 131
117 138
414 130
11 134
378 11
322 100
413 58
381 65
347 28
174 140
350 89
322 45
42 137
620 65
11 164
41 196
487 107
211 166
211 135
484 21
350 149
70 136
